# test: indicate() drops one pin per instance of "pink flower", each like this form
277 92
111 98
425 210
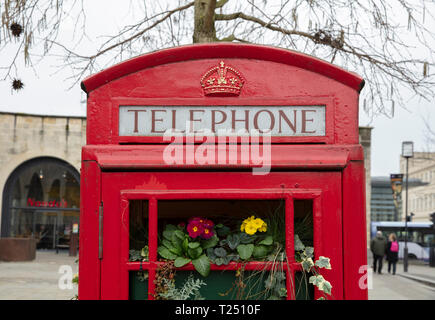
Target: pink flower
208 223
207 233
195 228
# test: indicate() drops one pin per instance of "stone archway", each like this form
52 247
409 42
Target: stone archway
41 200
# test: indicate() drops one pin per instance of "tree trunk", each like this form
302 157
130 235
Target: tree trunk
204 30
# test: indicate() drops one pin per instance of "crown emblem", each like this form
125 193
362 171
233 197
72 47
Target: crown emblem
222 80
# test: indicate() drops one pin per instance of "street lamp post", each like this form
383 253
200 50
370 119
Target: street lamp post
407 152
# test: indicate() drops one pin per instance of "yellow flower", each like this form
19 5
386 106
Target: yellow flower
263 228
258 223
250 228
251 225
245 222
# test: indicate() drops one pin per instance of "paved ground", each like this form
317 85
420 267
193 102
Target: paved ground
416 284
38 279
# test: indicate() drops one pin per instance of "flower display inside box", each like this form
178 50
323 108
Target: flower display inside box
233 257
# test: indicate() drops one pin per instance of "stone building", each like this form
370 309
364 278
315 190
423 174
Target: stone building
39 175
365 138
421 198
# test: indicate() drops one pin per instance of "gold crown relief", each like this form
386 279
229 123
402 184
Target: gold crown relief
222 80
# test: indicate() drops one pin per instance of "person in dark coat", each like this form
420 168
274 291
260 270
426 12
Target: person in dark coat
392 252
378 246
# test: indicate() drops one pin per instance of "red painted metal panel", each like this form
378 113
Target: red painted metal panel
354 232
298 157
89 263
216 185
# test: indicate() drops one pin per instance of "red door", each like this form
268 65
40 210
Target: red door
150 199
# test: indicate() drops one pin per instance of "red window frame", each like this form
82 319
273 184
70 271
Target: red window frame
289 195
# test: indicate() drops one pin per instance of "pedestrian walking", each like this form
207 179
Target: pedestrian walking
378 246
392 252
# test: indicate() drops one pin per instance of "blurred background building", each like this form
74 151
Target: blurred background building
421 197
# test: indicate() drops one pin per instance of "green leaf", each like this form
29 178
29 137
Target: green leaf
321 283
246 238
180 234
181 261
184 243
233 241
176 250
223 242
309 252
227 259
176 242
202 265
245 251
233 257
170 227
282 292
165 253
193 245
210 254
326 287
267 241
260 251
307 264
168 234
220 261
220 252
194 253
222 231
323 262
167 243
210 243
316 280
299 246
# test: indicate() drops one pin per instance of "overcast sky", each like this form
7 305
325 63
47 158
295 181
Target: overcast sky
47 92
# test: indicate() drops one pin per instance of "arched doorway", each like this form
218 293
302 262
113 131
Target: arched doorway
41 200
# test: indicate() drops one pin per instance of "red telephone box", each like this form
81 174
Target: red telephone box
303 113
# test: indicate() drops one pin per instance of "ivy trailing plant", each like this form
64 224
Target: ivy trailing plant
304 255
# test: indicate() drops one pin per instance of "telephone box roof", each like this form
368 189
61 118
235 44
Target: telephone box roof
222 50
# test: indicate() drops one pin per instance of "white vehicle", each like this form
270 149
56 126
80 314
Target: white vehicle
420 236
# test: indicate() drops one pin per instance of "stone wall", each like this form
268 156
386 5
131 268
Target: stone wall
365 138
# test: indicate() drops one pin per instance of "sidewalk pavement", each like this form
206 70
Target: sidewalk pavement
418 272
40 279
416 284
